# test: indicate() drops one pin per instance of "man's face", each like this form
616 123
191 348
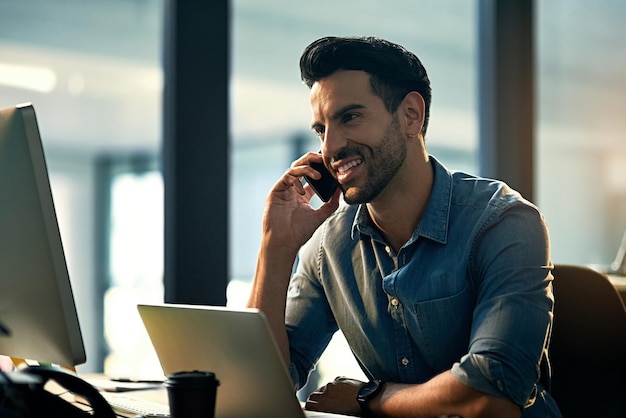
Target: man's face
362 143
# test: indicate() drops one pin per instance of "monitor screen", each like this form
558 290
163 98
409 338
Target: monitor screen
38 319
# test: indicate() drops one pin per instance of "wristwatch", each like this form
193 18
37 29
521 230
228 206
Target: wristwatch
367 392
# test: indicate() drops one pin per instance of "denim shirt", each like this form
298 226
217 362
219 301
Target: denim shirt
469 292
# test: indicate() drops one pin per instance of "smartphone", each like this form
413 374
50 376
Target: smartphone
324 187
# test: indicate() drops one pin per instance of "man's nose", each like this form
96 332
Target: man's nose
333 142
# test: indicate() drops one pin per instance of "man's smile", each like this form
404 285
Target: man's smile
345 168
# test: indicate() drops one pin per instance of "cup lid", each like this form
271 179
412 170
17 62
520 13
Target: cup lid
193 377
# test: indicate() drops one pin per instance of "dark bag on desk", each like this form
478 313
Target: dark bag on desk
22 395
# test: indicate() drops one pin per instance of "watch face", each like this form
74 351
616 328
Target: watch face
369 390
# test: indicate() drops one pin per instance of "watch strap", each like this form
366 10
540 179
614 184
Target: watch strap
367 392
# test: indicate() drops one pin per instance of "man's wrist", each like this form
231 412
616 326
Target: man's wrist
368 392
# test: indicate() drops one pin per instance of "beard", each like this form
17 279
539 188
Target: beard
383 162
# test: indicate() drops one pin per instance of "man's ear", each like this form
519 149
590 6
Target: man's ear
413 110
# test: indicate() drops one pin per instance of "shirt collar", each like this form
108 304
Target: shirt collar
435 220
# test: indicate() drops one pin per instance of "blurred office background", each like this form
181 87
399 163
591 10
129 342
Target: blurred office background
93 71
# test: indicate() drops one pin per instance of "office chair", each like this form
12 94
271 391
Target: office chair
588 345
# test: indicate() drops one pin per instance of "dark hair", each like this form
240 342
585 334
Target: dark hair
394 71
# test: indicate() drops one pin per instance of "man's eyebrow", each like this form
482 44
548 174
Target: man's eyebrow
339 113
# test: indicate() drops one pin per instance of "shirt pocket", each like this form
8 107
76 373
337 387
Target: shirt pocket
441 328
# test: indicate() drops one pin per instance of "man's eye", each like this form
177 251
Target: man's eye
319 132
348 117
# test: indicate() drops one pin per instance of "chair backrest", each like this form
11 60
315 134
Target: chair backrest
588 345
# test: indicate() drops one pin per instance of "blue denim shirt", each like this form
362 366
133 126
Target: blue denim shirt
470 292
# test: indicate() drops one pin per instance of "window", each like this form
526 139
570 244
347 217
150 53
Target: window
135 263
581 171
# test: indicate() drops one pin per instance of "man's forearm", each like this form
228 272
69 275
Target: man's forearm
269 290
444 395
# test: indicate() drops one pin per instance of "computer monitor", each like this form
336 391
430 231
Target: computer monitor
38 317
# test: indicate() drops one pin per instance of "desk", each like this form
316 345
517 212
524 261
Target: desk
129 397
158 394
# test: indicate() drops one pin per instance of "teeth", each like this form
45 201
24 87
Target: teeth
349 165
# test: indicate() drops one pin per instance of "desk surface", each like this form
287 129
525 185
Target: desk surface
157 393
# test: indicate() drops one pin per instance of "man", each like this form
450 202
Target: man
440 281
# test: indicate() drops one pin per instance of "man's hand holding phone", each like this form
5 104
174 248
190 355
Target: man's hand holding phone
289 219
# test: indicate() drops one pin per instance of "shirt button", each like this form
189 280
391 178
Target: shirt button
395 302
388 249
405 361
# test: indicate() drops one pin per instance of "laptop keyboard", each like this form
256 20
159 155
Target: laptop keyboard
124 404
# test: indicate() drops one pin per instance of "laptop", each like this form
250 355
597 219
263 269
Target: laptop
236 345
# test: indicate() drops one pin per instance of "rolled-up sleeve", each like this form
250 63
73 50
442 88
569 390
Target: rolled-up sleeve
513 316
